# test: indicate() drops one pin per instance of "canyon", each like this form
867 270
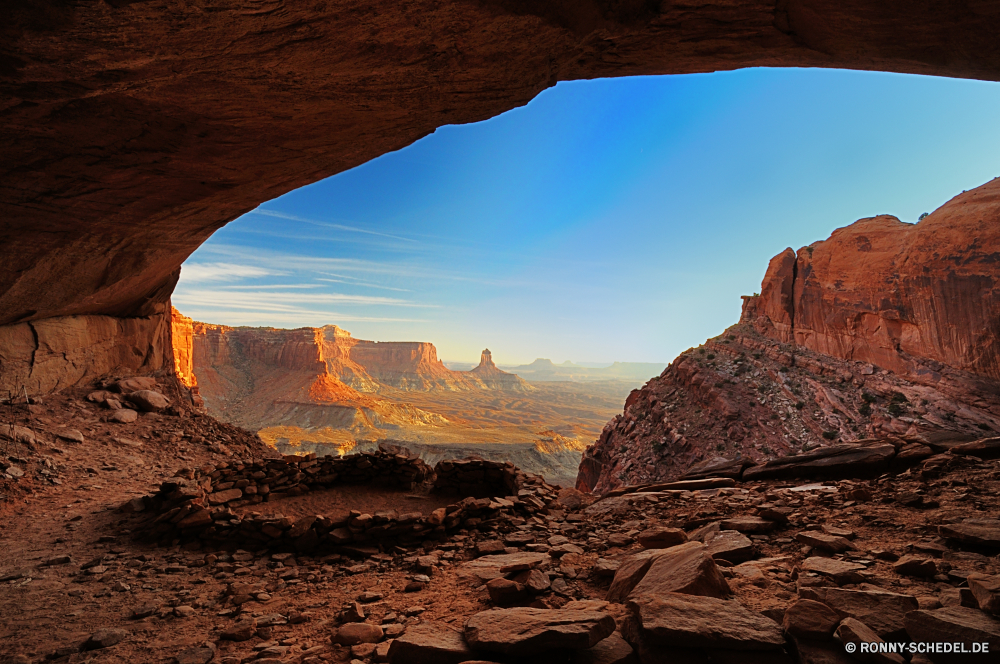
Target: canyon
885 329
321 390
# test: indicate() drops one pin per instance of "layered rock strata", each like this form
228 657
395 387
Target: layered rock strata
884 330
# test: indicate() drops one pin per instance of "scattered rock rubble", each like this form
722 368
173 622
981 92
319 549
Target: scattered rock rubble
709 569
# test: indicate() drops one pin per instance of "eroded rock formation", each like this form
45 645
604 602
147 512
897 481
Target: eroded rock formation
885 329
132 131
318 377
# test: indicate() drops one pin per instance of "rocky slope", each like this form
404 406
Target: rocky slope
132 130
884 329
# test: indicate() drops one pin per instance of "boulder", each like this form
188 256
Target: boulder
148 400
911 565
955 624
487 568
730 545
630 572
840 571
748 524
677 620
124 416
883 612
612 650
135 384
686 568
524 631
825 542
858 634
978 532
358 632
661 537
809 619
986 590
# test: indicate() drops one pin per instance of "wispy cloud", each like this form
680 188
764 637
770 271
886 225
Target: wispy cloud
201 272
325 224
344 279
278 301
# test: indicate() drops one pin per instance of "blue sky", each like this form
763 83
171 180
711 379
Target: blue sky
617 219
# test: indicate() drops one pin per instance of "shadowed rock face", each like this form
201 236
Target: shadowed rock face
132 131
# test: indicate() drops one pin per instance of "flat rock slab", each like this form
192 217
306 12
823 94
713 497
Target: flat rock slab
883 612
693 484
687 568
523 631
430 642
488 568
748 524
955 624
987 448
821 540
688 621
731 546
978 532
832 462
839 570
717 467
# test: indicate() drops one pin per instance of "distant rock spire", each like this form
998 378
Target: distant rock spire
486 360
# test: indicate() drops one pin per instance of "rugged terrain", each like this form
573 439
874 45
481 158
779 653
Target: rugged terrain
322 390
884 329
774 570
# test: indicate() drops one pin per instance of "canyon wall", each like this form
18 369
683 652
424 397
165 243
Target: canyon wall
317 377
885 329
901 296
131 131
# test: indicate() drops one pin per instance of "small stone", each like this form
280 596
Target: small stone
851 631
195 656
915 566
71 435
809 619
986 590
104 638
354 633
124 416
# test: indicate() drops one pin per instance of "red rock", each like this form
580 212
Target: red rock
523 631
148 400
358 632
687 569
882 611
808 619
855 632
688 621
430 642
661 537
